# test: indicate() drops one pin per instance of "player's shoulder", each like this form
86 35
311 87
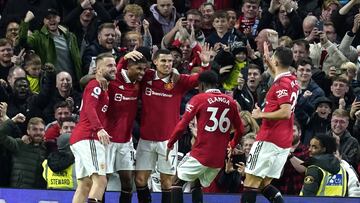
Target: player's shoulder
287 81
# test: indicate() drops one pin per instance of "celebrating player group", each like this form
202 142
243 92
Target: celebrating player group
102 140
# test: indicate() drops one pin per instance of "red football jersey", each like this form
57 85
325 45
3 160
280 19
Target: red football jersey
215 114
94 105
123 100
285 89
161 105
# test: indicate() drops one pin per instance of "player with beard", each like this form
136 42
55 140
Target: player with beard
89 138
274 140
123 96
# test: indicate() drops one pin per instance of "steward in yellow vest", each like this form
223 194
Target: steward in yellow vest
324 175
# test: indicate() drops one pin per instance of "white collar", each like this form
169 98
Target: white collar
281 75
212 91
165 79
125 76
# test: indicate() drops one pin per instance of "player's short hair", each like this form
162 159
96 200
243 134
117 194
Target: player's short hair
161 51
209 77
284 55
328 142
133 8
35 121
341 113
304 61
102 56
131 61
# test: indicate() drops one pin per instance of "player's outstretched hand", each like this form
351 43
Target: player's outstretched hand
256 113
104 137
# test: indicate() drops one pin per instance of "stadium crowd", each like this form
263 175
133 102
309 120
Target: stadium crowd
48 54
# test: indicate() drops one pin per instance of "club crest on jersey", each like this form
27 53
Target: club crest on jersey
169 86
282 93
96 92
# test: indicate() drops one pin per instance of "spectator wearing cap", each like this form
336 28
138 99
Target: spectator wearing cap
53 43
59 168
349 147
309 91
83 21
16 9
283 18
319 122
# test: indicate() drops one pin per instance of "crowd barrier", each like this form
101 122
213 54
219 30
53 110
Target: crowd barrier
58 196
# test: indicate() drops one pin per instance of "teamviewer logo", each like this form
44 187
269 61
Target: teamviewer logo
148 91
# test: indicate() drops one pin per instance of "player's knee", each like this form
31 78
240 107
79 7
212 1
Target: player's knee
140 180
166 182
178 182
84 186
100 181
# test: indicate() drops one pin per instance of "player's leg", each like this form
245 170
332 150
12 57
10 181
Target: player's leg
125 166
167 169
251 188
98 188
255 169
145 162
270 192
276 166
82 190
196 192
126 179
177 191
142 188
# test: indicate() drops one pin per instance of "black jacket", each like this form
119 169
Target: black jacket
314 175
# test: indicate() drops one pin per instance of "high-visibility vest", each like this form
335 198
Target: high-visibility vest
332 184
59 180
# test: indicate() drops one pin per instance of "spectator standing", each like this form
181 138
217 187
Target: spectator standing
53 43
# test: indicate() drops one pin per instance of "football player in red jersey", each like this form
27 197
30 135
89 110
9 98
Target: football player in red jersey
274 139
160 112
123 104
89 139
216 114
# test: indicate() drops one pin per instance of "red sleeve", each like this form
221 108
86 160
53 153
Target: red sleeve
121 64
189 81
191 110
92 100
239 128
283 92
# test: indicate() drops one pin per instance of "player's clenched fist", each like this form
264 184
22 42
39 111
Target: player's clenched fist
256 113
